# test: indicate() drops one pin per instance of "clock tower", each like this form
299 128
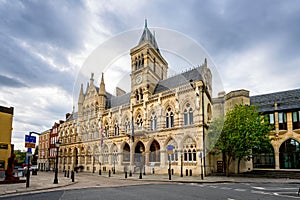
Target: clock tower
148 66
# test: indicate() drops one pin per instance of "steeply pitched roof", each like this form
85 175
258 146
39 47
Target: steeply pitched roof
148 36
286 100
73 116
178 80
114 101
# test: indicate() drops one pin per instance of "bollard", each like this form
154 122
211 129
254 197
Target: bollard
99 171
186 172
72 176
68 174
109 173
191 172
125 174
130 173
65 174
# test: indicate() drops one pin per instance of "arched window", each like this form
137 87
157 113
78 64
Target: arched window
106 130
105 153
136 63
137 95
141 94
188 116
209 112
174 156
185 117
116 130
154 65
126 153
189 149
139 121
115 155
154 155
139 65
153 122
169 118
289 154
127 125
142 60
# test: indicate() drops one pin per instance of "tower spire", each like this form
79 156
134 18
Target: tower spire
102 86
146 26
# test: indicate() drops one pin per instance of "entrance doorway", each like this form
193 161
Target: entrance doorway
289 154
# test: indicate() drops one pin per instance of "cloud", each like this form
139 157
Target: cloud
10 82
254 44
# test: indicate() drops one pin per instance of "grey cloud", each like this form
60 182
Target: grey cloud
10 82
61 23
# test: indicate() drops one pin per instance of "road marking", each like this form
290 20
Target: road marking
225 188
200 185
274 188
260 192
230 199
259 188
240 190
213 186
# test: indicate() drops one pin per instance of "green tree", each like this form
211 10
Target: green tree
244 129
20 156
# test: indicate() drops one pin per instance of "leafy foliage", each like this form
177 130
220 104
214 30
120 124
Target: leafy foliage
20 156
244 129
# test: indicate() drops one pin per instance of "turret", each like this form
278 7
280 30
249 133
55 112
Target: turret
102 94
80 100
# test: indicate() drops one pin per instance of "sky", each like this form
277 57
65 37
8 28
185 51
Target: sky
254 45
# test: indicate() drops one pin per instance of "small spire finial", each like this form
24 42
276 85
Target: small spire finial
146 26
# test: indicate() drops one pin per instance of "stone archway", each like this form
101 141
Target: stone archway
154 155
126 153
138 152
289 154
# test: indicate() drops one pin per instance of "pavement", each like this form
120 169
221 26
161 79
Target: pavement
43 181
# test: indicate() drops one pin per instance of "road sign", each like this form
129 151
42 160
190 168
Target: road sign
30 141
170 149
29 145
29 154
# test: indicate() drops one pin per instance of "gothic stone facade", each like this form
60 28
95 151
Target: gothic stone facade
131 131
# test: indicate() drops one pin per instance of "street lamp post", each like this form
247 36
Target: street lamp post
141 166
181 166
114 171
201 165
56 164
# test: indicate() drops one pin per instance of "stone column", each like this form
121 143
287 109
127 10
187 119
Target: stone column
276 152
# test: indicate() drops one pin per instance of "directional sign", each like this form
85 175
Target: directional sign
29 145
170 149
30 141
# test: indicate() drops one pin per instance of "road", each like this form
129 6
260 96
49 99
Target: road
187 191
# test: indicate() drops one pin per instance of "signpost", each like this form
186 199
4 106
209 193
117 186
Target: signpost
29 143
200 156
170 151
